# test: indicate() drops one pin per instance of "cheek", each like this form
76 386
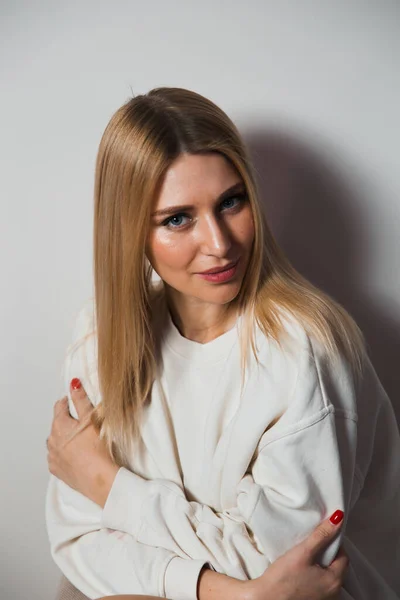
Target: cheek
245 231
169 252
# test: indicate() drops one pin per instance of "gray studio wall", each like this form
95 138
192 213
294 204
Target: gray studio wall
315 89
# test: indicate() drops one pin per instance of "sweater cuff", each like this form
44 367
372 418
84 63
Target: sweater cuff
122 510
181 578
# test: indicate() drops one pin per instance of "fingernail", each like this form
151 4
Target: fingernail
76 384
337 517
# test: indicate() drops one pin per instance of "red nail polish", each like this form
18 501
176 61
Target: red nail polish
337 517
76 384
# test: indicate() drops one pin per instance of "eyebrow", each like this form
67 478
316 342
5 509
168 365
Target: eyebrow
173 209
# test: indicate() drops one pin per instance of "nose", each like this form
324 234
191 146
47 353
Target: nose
214 237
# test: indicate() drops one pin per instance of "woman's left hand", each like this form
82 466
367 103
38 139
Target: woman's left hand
82 462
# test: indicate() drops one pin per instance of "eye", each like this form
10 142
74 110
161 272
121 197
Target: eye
239 197
175 222
171 222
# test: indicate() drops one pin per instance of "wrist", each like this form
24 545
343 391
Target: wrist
102 483
262 588
217 586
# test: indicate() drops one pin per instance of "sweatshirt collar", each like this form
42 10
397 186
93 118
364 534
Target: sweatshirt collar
209 352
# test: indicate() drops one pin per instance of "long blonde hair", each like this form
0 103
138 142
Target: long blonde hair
139 144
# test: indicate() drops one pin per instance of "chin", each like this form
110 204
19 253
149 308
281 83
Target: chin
219 295
212 293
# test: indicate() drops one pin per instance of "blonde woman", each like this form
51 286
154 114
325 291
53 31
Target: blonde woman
222 412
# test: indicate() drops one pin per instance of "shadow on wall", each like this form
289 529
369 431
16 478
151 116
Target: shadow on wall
319 222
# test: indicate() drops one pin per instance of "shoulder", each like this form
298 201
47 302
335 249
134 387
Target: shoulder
84 321
323 380
83 348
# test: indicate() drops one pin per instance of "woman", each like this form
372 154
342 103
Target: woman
235 411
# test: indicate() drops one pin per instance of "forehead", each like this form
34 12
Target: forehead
193 177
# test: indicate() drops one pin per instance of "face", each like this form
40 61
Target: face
203 226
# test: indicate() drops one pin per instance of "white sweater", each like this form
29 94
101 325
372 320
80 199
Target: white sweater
236 481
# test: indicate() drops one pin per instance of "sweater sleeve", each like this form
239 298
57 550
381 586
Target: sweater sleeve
303 470
102 562
98 560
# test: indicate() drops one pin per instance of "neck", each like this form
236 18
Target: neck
201 322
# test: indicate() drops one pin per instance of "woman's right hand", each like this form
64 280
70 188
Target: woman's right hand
297 576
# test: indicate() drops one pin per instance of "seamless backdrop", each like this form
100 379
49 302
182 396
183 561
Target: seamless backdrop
315 89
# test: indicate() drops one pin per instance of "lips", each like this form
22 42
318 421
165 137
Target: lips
220 269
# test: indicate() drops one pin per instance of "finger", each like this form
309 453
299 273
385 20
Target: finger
322 535
80 398
339 565
60 406
62 420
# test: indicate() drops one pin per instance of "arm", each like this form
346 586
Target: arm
112 562
82 550
295 482
97 560
157 513
81 362
303 469
100 561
